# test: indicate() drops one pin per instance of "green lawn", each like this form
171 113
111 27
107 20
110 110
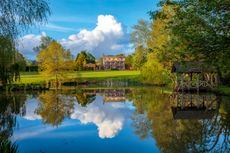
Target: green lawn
34 77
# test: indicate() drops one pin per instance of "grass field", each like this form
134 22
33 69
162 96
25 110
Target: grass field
34 77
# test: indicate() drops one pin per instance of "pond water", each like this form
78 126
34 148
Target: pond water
128 120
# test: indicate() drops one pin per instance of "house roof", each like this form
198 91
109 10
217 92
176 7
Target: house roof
89 65
192 67
121 55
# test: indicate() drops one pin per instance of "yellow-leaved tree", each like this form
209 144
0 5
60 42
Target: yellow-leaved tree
54 61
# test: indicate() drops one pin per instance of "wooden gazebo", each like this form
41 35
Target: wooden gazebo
194 76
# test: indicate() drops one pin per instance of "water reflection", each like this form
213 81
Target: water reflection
178 123
54 107
195 106
192 131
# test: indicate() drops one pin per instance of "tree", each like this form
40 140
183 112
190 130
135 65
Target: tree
84 57
200 31
11 61
160 38
45 42
16 16
139 57
141 32
153 72
129 61
53 60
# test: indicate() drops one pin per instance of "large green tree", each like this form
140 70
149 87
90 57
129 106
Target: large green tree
54 60
44 43
202 28
140 33
84 57
139 57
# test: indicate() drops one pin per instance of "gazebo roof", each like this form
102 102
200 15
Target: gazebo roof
192 67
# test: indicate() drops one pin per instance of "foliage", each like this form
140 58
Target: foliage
191 30
45 42
17 15
129 61
157 68
208 36
84 99
7 147
173 136
154 73
84 57
160 40
140 34
54 107
139 57
173 38
11 61
53 60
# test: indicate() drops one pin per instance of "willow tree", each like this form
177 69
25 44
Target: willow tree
15 17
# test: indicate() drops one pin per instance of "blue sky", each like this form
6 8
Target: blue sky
70 17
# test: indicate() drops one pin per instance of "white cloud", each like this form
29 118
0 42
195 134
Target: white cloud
108 37
109 117
26 44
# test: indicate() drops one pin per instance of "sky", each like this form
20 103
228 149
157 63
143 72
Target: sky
99 26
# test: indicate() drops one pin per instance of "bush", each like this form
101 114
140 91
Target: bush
154 73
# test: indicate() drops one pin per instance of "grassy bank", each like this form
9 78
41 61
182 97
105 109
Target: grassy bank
34 77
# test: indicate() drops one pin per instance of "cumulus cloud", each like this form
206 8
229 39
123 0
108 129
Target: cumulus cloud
108 37
26 44
109 117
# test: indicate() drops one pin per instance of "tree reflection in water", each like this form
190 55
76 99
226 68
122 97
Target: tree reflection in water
183 135
152 118
54 107
85 97
11 105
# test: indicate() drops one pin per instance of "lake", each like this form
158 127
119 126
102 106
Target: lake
115 120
